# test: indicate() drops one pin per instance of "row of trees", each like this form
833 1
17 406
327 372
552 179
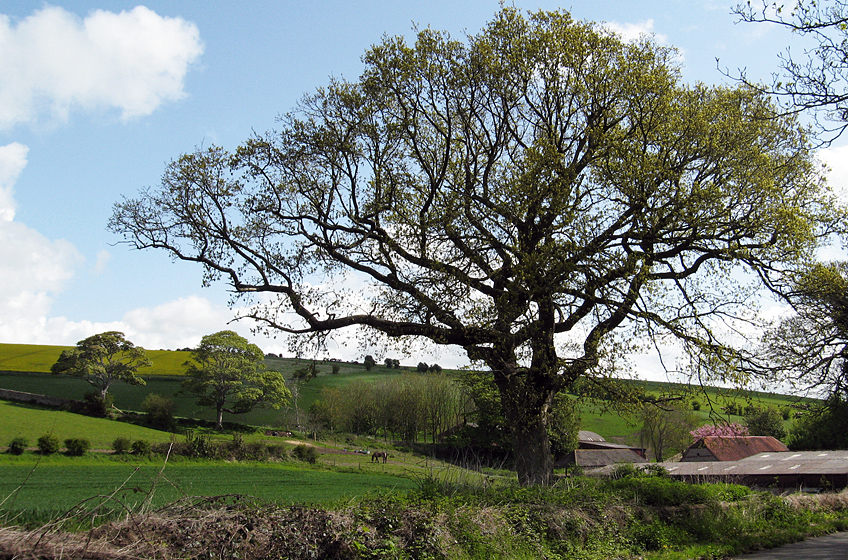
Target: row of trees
407 407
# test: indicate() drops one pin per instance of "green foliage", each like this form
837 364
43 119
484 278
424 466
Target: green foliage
102 359
97 405
159 410
228 373
306 453
121 445
76 447
48 444
821 427
564 425
140 447
18 445
369 362
766 421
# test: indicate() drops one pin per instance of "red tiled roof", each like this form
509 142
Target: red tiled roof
736 448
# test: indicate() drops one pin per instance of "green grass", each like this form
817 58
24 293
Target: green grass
35 493
31 422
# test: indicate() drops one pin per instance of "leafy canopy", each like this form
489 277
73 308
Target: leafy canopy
543 195
102 359
228 373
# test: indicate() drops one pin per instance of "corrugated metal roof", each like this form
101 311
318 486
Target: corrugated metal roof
586 435
732 448
591 458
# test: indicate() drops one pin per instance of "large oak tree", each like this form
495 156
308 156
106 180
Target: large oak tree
541 194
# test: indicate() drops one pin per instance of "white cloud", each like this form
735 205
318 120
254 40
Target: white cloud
103 258
836 158
177 324
13 159
633 31
53 62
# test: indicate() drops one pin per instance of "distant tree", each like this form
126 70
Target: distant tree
306 373
102 359
766 421
434 368
565 425
159 410
336 369
666 430
821 427
422 367
228 373
369 362
719 430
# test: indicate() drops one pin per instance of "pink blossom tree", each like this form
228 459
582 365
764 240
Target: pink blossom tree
721 430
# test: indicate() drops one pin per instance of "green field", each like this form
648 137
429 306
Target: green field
37 358
23 420
33 493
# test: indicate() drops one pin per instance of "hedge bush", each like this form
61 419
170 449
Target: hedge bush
18 445
122 445
77 446
48 444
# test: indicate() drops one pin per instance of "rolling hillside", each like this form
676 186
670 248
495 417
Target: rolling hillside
25 367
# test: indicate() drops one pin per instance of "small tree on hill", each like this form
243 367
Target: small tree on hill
369 362
103 359
228 373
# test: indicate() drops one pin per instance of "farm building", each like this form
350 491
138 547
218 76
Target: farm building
807 470
594 458
718 448
783 470
594 451
591 440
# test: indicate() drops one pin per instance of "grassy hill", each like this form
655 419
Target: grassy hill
25 368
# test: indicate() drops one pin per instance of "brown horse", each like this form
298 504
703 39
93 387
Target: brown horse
377 455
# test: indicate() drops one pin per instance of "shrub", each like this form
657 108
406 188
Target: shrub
766 421
306 453
159 410
141 447
122 445
48 444
18 445
97 406
77 446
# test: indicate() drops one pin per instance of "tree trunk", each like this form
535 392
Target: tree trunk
531 449
220 423
526 406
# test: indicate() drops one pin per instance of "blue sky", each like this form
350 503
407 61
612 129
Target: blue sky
97 97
